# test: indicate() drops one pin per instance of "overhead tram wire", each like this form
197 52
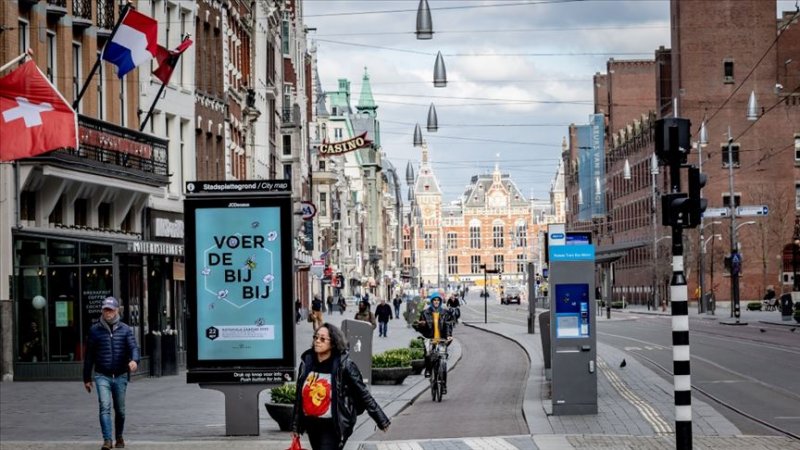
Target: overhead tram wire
496 141
504 31
442 8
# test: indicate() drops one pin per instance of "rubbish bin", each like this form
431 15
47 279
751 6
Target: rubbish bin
169 354
786 306
154 346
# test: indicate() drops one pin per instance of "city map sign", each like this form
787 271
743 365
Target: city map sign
239 286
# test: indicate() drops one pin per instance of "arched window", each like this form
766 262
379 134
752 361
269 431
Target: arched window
497 234
474 233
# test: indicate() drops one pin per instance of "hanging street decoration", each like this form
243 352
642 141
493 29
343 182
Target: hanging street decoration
338 148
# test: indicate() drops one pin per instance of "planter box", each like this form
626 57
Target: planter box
390 375
281 413
417 366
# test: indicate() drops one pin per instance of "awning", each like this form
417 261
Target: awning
613 252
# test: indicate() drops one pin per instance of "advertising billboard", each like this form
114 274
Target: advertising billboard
239 286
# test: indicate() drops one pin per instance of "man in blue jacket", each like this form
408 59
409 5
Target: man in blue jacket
112 350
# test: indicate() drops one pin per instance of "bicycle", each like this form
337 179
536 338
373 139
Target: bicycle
438 355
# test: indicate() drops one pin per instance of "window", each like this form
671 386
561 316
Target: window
407 242
285 34
181 66
797 148
726 199
499 263
475 264
321 166
52 47
287 145
81 212
337 133
122 116
520 263
522 234
27 205
57 216
428 238
77 79
727 76
497 234
104 215
452 265
452 240
474 233
323 204
287 172
734 154
407 261
797 196
23 36
127 222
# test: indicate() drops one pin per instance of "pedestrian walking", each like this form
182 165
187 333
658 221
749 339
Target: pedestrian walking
331 393
112 352
384 313
316 312
342 304
329 301
364 313
297 307
397 302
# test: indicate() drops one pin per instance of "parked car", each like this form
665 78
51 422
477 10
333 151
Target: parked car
511 294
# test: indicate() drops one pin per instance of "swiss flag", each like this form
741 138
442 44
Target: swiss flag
34 117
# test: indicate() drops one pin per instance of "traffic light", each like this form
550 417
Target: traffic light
697 204
675 210
672 140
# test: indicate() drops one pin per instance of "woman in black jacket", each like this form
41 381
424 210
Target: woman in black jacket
331 393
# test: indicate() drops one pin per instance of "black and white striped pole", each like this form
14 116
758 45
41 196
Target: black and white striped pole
679 211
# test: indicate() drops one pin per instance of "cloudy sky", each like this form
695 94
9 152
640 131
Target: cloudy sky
519 72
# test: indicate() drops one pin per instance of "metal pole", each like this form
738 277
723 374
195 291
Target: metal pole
734 250
17 59
655 244
485 297
795 243
701 306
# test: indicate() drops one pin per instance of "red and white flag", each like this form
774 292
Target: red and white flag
34 117
168 59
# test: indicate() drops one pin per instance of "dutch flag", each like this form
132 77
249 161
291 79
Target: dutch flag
135 42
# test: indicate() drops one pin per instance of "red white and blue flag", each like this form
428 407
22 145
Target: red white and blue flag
135 42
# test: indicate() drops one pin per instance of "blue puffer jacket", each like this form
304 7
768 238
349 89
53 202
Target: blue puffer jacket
109 352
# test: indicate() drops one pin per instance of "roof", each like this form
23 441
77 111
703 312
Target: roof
476 193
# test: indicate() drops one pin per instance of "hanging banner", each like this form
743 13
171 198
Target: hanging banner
338 148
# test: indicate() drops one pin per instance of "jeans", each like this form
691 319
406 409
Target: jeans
322 435
111 389
397 312
383 327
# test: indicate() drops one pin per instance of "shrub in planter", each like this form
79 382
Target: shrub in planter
616 305
389 359
416 343
281 405
391 367
754 306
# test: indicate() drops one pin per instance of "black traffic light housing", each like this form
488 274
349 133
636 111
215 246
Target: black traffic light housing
675 210
697 204
672 140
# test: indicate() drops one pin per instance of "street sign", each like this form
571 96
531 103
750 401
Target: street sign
318 268
308 209
717 212
753 210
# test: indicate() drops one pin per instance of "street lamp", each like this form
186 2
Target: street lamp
796 242
701 306
654 207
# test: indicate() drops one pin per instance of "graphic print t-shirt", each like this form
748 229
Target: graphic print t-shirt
317 391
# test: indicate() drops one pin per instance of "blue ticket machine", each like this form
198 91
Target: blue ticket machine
573 330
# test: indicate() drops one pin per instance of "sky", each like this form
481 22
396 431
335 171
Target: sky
519 73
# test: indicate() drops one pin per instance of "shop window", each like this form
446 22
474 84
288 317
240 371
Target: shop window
104 215
95 254
62 252
81 214
97 283
29 252
31 315
63 337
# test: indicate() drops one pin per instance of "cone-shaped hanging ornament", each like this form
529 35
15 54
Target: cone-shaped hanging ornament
424 22
433 121
752 107
417 136
439 72
626 171
703 134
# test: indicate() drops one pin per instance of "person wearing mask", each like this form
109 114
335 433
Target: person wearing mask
112 351
364 313
384 313
331 393
434 325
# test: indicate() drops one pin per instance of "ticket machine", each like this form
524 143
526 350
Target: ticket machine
573 332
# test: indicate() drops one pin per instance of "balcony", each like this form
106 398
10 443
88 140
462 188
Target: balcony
56 9
81 14
290 117
105 17
109 150
323 177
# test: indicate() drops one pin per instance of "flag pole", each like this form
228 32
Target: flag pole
160 91
128 5
17 59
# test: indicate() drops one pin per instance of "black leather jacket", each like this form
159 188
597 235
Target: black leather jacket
349 391
425 324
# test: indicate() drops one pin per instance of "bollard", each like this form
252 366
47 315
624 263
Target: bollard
608 311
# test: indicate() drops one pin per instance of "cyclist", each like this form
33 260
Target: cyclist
434 325
453 305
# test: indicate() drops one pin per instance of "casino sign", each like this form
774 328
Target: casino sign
338 148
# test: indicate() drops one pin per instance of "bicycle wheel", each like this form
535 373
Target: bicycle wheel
434 381
440 377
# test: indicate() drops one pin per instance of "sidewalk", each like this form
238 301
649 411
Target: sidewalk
722 314
167 412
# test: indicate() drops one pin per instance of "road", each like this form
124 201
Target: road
482 400
751 371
